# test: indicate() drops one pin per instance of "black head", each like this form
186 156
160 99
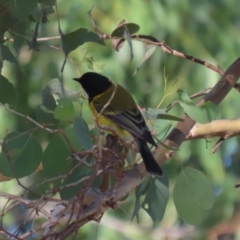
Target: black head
93 84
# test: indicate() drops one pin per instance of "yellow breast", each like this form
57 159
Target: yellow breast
104 121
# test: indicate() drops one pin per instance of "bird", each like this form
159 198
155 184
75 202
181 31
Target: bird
115 107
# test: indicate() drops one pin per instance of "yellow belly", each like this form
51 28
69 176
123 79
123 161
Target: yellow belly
103 121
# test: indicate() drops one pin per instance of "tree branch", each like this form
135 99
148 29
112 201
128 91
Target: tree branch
219 128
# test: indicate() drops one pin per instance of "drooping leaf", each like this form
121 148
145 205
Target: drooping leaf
192 195
64 109
33 44
155 192
21 155
149 50
82 132
8 93
129 41
156 198
139 192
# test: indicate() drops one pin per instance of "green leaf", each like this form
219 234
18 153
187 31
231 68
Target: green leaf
21 155
70 133
162 128
45 116
34 44
82 133
209 111
156 198
8 93
129 41
38 186
57 162
156 195
192 195
64 109
44 112
149 50
161 114
169 117
131 27
57 159
22 8
139 192
7 19
203 114
73 178
18 33
80 36
48 100
36 14
5 54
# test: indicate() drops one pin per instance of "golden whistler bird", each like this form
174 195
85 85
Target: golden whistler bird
116 108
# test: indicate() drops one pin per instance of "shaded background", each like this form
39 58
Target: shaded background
208 30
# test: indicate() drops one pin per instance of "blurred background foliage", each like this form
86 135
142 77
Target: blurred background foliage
208 30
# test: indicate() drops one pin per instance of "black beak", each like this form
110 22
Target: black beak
76 79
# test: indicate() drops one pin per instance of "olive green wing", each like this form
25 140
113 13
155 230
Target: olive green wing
129 119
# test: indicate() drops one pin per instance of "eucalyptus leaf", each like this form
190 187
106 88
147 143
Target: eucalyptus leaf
57 159
44 112
155 192
64 109
21 155
129 41
192 195
119 31
161 114
22 8
82 133
156 198
149 50
8 93
78 37
204 114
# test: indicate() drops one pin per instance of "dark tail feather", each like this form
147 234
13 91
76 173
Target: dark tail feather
149 161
